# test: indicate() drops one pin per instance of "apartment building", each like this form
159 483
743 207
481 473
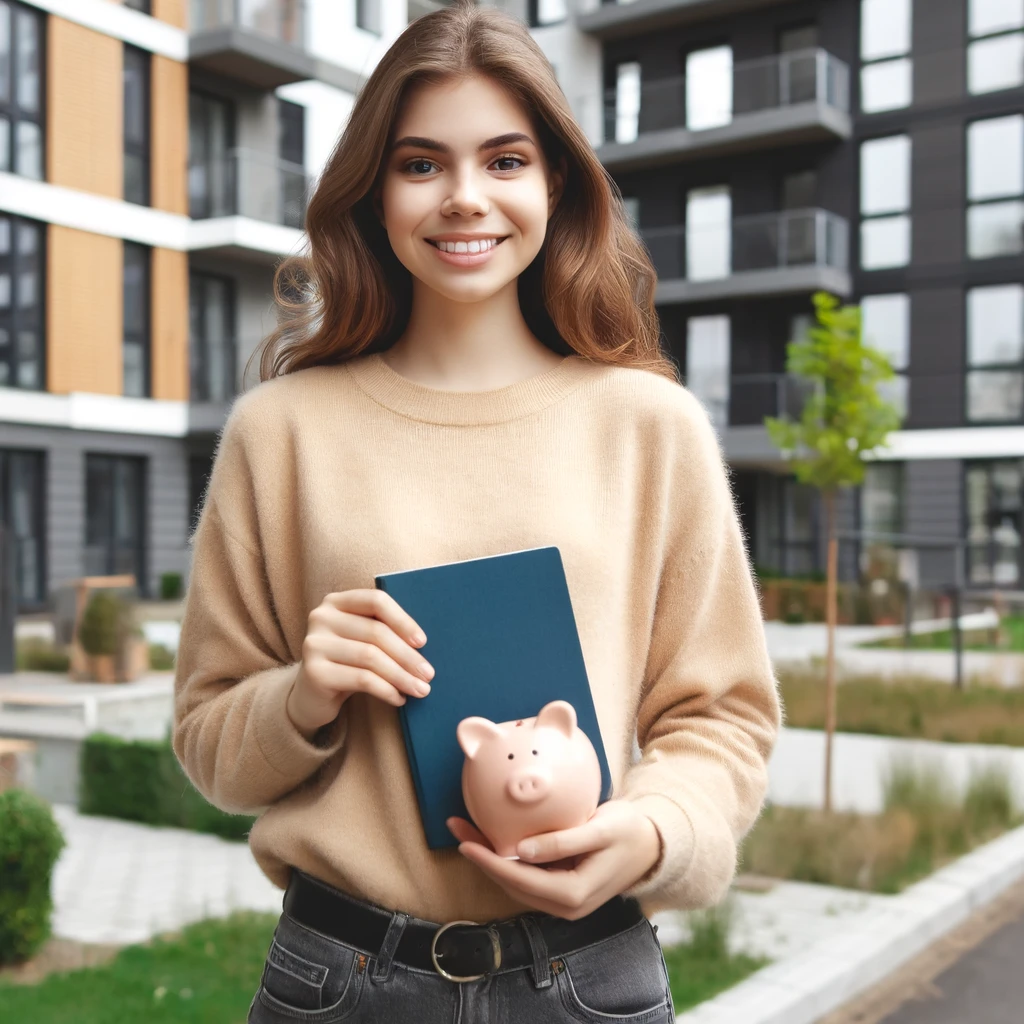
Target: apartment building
872 148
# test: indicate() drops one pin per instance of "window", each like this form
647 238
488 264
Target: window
115 516
627 103
708 233
212 338
136 126
886 69
885 325
632 207
547 12
21 90
994 507
21 304
139 5
211 163
707 364
368 15
292 150
199 469
995 55
708 88
22 493
995 341
881 499
995 187
136 320
885 202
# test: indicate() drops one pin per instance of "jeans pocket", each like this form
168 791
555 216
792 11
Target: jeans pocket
620 979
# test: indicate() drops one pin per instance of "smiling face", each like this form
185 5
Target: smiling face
466 192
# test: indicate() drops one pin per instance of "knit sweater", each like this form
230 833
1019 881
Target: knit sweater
329 476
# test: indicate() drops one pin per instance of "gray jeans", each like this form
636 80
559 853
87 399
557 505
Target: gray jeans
309 976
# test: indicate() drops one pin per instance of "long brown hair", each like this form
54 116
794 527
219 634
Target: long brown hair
349 293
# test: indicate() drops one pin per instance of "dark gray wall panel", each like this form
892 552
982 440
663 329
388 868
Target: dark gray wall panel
934 509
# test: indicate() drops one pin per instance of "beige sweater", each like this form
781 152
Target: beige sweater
329 476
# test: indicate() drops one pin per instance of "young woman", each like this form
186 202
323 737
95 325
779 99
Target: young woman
467 364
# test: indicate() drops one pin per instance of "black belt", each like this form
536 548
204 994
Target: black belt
463 950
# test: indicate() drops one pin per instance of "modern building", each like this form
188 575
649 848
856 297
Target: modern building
155 158
872 148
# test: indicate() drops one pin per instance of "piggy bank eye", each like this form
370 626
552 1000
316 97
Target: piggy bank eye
510 756
535 751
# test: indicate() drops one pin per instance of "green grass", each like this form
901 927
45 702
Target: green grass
703 967
911 707
1012 627
207 974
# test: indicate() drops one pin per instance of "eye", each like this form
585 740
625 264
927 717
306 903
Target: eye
510 756
509 156
535 751
419 160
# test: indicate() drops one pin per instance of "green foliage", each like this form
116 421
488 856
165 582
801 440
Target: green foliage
170 586
845 417
30 842
161 659
34 654
141 780
105 623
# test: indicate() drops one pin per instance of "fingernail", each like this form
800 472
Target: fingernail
427 670
527 849
424 689
419 638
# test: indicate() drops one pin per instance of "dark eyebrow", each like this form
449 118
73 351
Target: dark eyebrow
418 142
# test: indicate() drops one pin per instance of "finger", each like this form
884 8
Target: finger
569 842
560 886
380 605
347 679
360 654
466 832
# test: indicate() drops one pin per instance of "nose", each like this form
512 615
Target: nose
466 196
529 787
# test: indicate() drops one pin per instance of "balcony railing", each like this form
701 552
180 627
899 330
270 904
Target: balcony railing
753 396
772 241
247 183
282 20
750 87
213 369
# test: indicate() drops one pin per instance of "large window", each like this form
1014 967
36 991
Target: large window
995 187
211 164
199 469
136 125
995 501
995 56
22 512
136 320
547 12
291 148
881 499
627 103
995 353
212 338
21 304
886 70
885 324
21 90
115 516
708 88
368 15
885 202
708 233
707 364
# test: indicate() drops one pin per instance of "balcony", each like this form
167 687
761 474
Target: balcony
248 205
784 100
214 373
618 20
262 43
789 252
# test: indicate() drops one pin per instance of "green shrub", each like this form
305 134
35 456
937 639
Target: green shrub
161 659
36 655
170 586
104 623
30 842
141 780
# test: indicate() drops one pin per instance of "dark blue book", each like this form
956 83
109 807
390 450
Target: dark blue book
502 638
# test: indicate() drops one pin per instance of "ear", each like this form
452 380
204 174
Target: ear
560 715
472 733
557 184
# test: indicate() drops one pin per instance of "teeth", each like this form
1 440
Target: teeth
474 246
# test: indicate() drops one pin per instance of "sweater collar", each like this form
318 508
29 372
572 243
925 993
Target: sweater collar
386 386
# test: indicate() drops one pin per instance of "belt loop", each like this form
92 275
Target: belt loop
541 968
385 958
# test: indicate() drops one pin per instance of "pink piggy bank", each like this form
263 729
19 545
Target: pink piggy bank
527 777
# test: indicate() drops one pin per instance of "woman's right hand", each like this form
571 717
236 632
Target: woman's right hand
357 641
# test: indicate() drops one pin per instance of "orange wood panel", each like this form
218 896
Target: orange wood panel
174 12
170 135
84 312
170 325
85 117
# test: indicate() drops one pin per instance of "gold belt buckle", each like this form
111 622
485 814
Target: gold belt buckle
495 943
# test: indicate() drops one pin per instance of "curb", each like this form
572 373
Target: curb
803 988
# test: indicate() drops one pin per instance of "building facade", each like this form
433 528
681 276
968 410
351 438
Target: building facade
872 148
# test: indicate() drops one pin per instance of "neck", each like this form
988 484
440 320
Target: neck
468 346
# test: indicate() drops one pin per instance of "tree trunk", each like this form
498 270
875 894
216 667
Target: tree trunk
832 570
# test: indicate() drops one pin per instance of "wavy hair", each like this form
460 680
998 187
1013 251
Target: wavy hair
348 293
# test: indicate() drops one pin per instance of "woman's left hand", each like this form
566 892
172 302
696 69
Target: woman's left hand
585 866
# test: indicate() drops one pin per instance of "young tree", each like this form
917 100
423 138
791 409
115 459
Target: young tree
844 418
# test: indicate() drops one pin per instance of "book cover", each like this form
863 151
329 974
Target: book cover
502 637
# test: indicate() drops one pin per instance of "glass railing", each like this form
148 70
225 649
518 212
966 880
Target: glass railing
753 396
771 241
714 100
247 183
283 20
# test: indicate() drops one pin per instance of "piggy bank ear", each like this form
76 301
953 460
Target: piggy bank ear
560 715
473 732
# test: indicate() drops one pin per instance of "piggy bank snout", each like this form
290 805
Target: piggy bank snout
528 787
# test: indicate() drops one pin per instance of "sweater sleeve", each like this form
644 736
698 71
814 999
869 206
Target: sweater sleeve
235 666
709 711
